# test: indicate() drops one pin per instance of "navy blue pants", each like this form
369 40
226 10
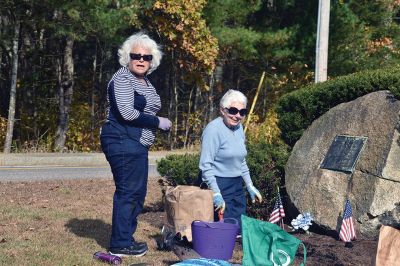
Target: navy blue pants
129 165
233 194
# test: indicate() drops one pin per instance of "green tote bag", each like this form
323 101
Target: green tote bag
266 244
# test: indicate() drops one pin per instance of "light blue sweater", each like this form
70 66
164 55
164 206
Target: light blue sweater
223 153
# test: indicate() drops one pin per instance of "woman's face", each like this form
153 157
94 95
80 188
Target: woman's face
230 119
139 66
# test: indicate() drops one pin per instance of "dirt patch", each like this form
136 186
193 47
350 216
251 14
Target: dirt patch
74 216
325 250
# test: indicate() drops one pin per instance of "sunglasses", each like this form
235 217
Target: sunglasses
146 57
234 111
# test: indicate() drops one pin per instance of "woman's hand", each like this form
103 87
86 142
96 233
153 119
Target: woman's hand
253 192
219 202
164 123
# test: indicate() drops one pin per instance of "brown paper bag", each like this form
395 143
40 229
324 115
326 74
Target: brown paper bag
388 252
184 204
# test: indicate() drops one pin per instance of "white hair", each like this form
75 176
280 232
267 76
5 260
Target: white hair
140 39
232 96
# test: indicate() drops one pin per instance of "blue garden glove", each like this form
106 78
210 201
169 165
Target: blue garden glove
219 202
253 192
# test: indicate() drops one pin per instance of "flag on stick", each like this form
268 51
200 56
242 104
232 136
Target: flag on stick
347 232
278 213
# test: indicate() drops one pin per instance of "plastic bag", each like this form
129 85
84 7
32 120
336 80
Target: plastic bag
266 244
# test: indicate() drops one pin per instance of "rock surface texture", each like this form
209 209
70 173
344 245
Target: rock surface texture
374 186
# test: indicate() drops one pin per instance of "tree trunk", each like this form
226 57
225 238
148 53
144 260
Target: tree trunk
175 124
13 89
93 97
65 95
173 100
197 97
218 72
36 128
167 82
210 101
101 93
187 122
264 97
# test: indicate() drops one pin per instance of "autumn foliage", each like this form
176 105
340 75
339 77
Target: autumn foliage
188 33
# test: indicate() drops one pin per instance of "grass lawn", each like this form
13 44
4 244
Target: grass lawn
65 222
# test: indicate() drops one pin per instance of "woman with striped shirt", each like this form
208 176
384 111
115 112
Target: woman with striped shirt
128 133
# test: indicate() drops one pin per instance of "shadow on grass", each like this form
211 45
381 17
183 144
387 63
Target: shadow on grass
91 228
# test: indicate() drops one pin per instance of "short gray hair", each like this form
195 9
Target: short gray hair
232 96
140 39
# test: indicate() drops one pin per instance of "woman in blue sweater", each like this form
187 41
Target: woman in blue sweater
128 133
223 157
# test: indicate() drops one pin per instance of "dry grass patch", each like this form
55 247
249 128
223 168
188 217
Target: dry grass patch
65 222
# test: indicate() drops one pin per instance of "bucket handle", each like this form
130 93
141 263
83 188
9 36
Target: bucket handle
221 218
230 218
221 221
207 224
210 225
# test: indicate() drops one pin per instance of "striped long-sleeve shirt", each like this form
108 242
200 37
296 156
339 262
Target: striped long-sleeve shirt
133 105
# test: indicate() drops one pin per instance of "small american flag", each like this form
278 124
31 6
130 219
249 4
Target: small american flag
278 213
347 232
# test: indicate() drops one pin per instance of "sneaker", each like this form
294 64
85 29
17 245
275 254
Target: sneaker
134 250
139 244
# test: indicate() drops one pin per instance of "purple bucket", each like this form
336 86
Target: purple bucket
215 240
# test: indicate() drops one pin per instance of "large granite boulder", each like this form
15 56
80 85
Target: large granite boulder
374 187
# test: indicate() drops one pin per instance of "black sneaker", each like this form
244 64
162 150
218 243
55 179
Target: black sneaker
134 250
139 244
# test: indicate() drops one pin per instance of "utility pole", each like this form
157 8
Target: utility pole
321 58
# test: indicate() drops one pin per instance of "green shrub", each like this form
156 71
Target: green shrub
179 169
297 110
266 163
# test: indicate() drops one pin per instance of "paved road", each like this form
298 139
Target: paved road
49 166
40 173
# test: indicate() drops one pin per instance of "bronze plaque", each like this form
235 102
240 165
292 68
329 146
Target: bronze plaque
343 153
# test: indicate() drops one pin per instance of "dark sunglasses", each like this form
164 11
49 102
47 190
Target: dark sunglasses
146 57
234 111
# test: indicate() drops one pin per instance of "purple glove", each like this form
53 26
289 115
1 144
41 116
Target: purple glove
164 123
